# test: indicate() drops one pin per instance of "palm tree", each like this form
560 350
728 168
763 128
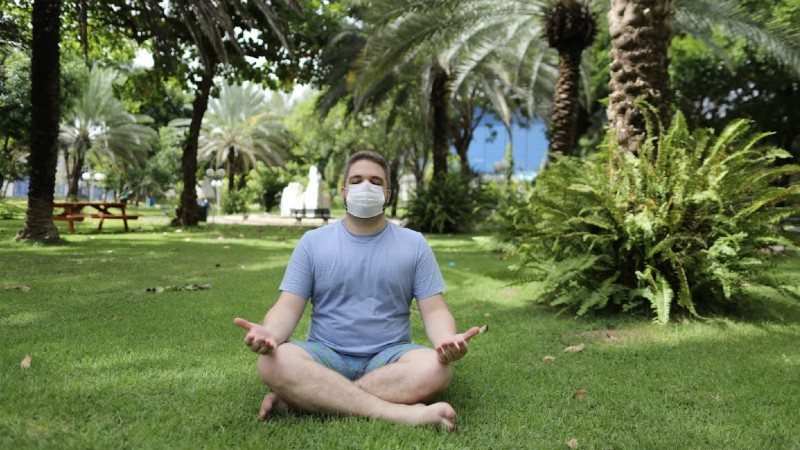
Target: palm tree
488 44
209 29
99 123
241 128
641 32
570 28
45 66
509 34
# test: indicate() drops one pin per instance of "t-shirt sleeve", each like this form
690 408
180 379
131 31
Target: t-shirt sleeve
298 278
428 278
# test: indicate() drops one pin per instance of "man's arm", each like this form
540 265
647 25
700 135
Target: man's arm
278 324
440 326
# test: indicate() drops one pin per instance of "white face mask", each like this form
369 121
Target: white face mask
365 200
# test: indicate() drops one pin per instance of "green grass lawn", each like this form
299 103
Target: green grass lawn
116 366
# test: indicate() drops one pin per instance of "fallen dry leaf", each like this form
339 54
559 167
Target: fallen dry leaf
487 315
116 317
549 358
483 329
26 362
581 393
20 287
574 348
572 443
610 337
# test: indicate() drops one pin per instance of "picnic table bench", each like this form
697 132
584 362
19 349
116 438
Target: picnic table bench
302 213
73 212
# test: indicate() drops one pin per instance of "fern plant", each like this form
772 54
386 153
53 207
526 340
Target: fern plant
691 219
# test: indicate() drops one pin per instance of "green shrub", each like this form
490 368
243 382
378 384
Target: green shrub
264 183
693 220
234 201
11 209
450 203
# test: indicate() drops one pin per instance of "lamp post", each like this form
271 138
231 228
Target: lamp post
90 179
216 182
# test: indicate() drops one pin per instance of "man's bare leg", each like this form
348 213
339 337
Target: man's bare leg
416 377
320 389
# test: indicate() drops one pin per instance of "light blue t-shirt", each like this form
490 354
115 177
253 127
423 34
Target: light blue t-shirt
361 287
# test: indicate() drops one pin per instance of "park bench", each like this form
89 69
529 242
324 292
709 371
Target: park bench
303 213
73 212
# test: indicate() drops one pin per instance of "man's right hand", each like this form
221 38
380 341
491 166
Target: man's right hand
258 339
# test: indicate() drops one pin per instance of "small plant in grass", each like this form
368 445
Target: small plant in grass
690 223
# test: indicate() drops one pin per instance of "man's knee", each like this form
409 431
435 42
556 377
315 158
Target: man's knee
279 366
434 375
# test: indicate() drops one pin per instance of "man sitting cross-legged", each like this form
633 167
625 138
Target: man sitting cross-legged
361 275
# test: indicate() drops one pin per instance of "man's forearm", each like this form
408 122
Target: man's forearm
440 326
282 318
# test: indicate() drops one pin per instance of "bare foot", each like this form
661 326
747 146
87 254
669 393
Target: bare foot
441 415
272 403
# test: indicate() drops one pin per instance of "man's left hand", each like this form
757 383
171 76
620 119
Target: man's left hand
454 348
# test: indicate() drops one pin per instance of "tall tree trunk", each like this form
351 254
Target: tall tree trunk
641 32
45 95
189 213
83 24
564 116
231 161
4 155
394 182
441 123
74 174
467 120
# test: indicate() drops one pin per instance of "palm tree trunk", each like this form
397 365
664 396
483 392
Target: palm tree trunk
75 174
45 95
231 161
189 213
441 123
641 32
564 117
468 118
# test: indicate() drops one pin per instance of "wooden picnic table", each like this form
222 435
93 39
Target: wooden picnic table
73 212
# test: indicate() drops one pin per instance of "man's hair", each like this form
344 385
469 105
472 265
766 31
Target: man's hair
375 157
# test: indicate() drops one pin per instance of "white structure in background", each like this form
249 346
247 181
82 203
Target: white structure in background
314 198
408 183
310 198
292 198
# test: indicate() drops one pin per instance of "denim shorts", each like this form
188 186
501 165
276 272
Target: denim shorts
351 366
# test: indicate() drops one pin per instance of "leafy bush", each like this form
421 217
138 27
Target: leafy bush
691 218
450 203
234 201
265 183
9 210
